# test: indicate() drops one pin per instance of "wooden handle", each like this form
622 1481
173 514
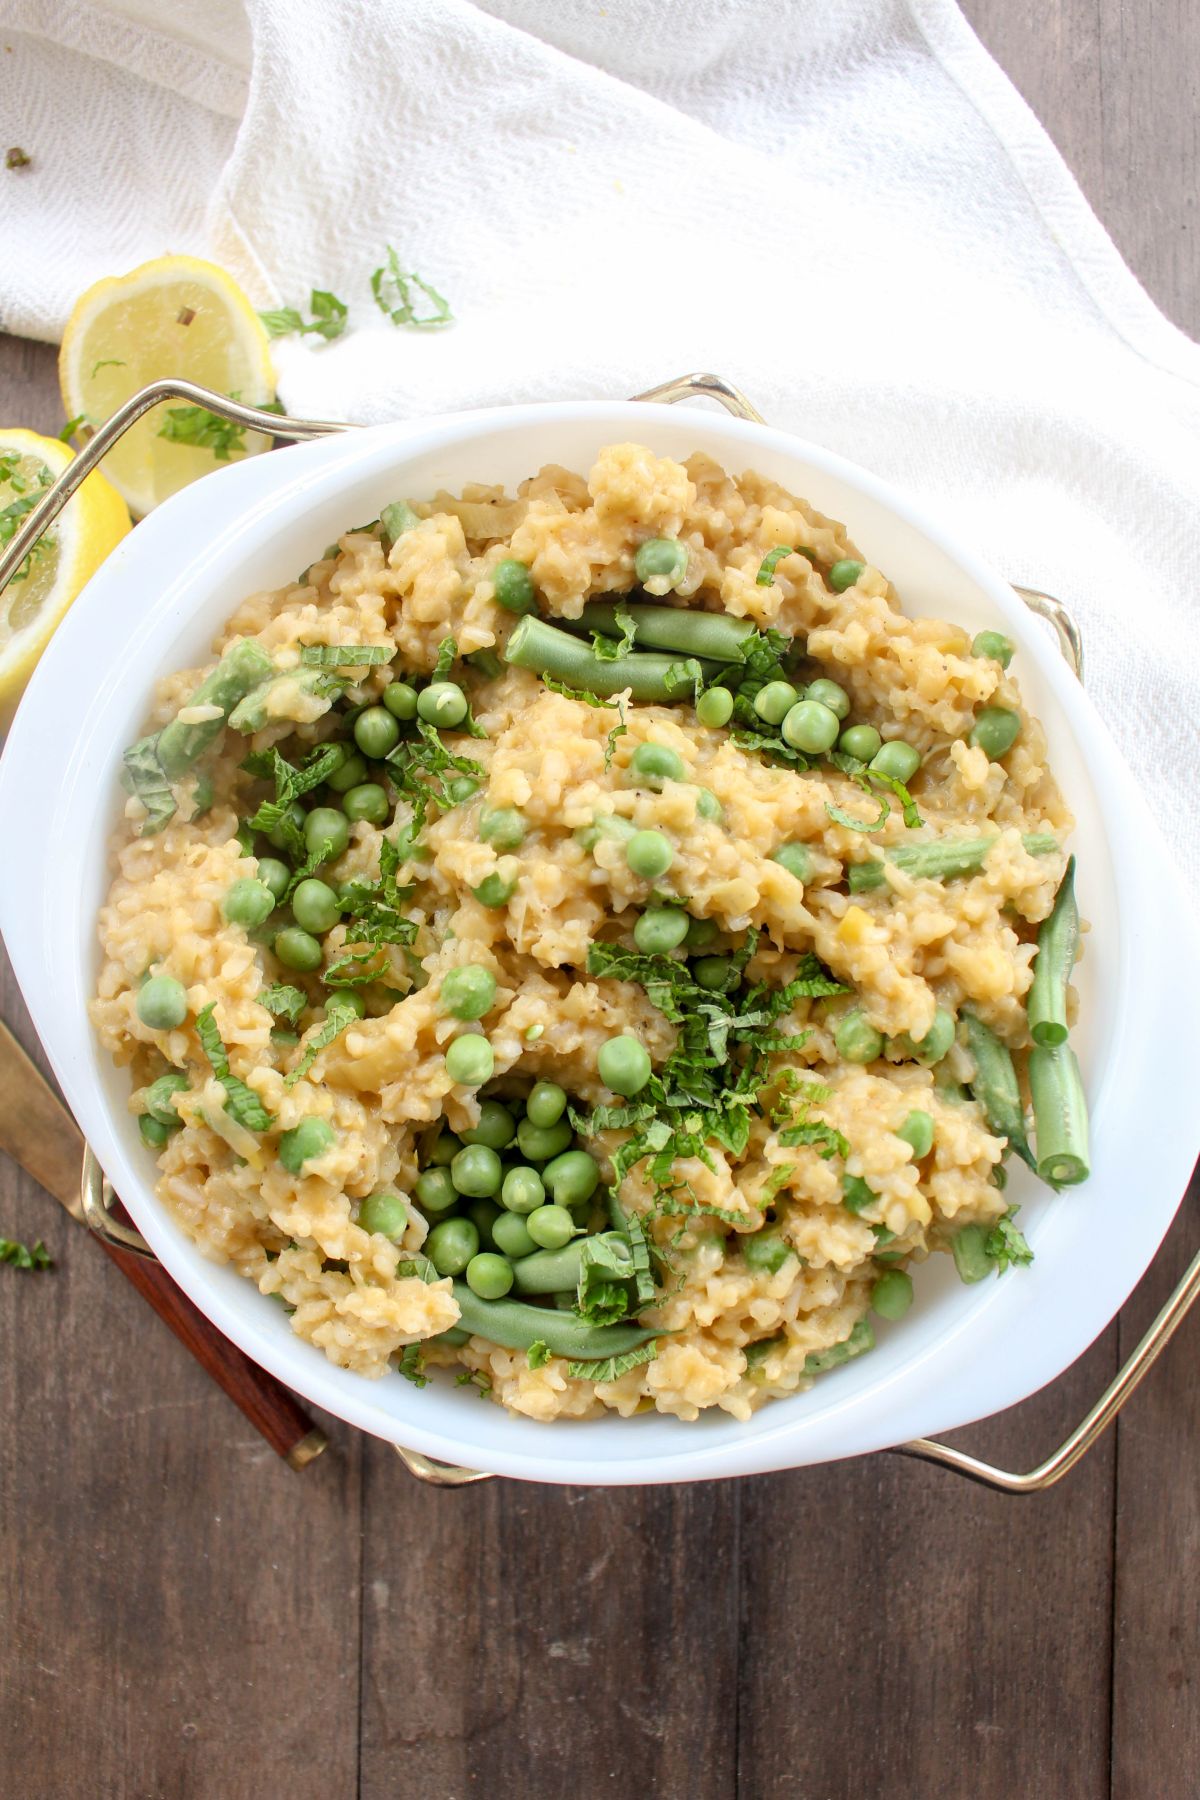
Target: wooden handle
39 1133
271 1408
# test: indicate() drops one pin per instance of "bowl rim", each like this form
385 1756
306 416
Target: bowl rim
228 514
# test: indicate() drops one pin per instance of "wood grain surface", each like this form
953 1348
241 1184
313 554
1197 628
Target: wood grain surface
182 1618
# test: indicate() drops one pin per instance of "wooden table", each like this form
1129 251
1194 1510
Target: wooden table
182 1616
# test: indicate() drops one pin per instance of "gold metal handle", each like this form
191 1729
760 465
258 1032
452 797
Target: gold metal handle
96 1193
96 1196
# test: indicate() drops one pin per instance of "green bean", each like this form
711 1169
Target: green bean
517 1325
862 1338
940 859
1060 1117
240 669
685 630
254 711
1058 942
549 1271
994 1085
548 651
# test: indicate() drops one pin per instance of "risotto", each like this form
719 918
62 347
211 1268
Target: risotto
597 941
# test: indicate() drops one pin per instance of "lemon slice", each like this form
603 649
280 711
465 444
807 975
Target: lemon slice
63 559
175 316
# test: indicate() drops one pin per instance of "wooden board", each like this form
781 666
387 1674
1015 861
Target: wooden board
181 1616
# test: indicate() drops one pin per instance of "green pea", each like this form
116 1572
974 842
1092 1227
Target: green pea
495 889
248 903
810 726
316 906
443 704
445 1148
484 1214
551 1227
571 1178
476 1171
702 934
766 1251
715 707
844 574
348 999
775 701
652 764
897 759
153 1132
649 854
514 586
451 1245
860 741
994 645
293 815
522 1190
400 698
160 1099
503 827
995 731
538 1143
468 992
376 732
713 972
489 1276
460 788
917 1133
892 1294
510 1234
162 1003
274 875
624 1065
470 1060
662 561
304 1143
546 1104
435 1191
385 1213
350 771
936 1042
324 825
297 949
496 1128
660 929
831 694
708 806
796 859
368 801
856 1039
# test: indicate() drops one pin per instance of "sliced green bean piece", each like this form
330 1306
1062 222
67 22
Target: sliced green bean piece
1060 1117
994 1085
1058 943
686 630
548 651
516 1325
241 668
939 860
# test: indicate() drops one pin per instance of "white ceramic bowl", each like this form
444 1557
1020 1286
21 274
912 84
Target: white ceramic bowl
963 1352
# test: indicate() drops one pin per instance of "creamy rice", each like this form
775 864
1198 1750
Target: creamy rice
902 950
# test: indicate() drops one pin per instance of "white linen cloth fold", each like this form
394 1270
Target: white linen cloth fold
845 208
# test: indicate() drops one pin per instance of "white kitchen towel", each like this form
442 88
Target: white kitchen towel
840 205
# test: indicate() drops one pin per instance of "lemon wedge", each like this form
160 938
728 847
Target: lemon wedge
94 520
174 316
